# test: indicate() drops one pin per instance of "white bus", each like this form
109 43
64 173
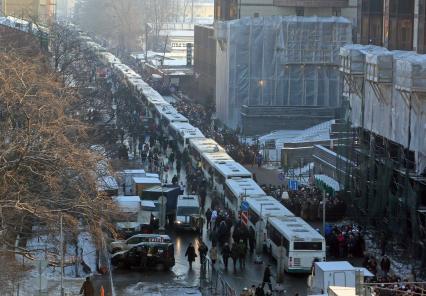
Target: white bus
199 146
181 132
260 208
302 244
224 170
237 189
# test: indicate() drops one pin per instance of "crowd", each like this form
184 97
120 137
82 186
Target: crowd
307 203
345 241
201 117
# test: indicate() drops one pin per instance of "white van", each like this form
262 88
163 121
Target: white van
187 206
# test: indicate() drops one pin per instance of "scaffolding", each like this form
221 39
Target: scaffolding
383 183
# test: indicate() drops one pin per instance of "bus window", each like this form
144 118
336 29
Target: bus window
277 238
307 246
253 217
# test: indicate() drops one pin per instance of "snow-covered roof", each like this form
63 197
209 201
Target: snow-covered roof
107 183
146 180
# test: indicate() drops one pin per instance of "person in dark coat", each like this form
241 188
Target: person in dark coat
242 253
234 255
226 253
87 288
208 217
385 265
190 253
203 250
267 277
252 239
259 291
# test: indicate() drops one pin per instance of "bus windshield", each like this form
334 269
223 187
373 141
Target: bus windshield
186 211
307 246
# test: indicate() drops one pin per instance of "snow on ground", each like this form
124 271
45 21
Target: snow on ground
158 289
46 247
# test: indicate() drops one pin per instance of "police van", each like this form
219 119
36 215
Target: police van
188 207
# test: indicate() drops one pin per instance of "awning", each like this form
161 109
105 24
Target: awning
327 183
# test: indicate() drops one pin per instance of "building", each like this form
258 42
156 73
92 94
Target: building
279 72
394 24
41 11
233 9
204 64
65 8
381 163
225 10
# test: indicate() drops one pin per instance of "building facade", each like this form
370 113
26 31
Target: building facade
394 24
41 11
226 10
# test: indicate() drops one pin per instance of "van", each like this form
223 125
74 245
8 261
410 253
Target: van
187 206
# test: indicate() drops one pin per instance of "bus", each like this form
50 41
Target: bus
181 132
199 146
224 170
302 244
260 208
237 189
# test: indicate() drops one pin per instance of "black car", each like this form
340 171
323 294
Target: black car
146 255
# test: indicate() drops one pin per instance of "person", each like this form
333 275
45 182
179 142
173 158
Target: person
259 291
213 254
226 253
208 217
202 250
175 180
190 253
385 265
252 290
87 288
181 188
242 253
252 239
267 277
234 255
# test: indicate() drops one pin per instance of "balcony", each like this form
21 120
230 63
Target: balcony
312 3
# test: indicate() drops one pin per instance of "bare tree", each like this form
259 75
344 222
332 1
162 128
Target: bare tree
46 166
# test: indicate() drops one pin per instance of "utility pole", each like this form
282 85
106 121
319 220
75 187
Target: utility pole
62 258
323 212
192 11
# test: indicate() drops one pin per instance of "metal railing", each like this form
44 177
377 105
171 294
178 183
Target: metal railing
212 281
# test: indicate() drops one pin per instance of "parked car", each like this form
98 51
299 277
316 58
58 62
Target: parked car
146 255
123 245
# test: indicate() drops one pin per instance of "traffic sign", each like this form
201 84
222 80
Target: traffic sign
244 217
244 205
292 184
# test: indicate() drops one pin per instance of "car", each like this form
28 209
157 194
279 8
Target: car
146 255
124 245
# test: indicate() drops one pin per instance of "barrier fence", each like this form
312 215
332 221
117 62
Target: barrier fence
212 281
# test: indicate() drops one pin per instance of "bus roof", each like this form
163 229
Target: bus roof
295 228
269 206
216 157
203 145
171 114
244 186
186 130
230 169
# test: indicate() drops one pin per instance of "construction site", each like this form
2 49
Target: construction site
380 155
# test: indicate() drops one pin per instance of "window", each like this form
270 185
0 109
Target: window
336 11
277 238
253 217
307 246
187 211
300 11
